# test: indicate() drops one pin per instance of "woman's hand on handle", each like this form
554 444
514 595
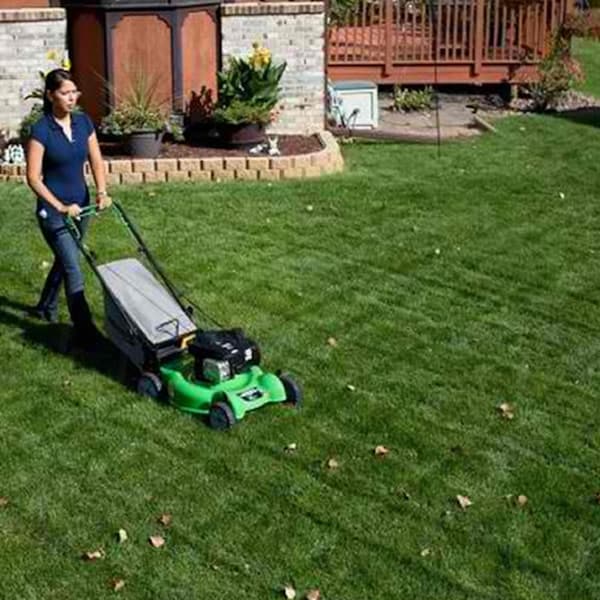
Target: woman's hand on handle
72 210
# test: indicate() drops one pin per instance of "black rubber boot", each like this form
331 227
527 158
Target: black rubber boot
86 335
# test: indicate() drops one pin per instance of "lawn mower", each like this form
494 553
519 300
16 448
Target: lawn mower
205 372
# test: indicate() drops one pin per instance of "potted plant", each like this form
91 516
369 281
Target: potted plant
141 118
248 91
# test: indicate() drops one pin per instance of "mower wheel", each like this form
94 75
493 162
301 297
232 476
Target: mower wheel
150 385
220 416
293 392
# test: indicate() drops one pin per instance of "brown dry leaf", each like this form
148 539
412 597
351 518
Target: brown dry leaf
94 554
4 501
332 464
331 341
507 411
165 519
313 594
381 451
289 592
117 584
157 541
122 536
522 500
463 501
425 552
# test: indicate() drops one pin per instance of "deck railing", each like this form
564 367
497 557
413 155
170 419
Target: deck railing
416 32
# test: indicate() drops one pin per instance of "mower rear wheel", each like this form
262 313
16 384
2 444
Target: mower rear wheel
150 385
293 392
220 416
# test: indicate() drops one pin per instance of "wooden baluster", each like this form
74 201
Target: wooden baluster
496 29
389 32
479 35
503 32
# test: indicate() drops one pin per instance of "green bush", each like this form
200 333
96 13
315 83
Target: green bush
249 89
558 73
408 100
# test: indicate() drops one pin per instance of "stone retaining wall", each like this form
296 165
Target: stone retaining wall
294 32
263 168
26 35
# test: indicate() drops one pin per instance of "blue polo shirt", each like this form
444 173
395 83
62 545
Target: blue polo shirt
62 166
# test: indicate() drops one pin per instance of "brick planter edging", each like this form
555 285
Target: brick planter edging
248 168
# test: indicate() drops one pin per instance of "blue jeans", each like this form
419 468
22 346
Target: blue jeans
66 265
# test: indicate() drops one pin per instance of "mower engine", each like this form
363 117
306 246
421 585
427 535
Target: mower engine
221 355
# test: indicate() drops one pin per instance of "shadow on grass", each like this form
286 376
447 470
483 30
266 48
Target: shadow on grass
582 116
105 358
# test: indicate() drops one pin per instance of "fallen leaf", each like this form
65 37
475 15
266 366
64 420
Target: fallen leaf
94 554
309 208
157 541
117 584
44 265
463 501
331 341
506 411
289 592
332 464
151 194
561 195
313 595
522 500
122 536
4 501
381 451
425 552
437 251
165 519
67 382
291 447
350 388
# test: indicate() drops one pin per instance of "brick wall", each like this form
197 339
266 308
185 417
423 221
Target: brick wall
25 37
293 32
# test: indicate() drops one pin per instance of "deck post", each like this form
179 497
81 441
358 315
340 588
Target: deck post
389 37
479 35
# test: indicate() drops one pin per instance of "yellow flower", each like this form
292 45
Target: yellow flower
66 63
52 55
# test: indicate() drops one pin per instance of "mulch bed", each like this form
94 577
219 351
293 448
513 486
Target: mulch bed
288 145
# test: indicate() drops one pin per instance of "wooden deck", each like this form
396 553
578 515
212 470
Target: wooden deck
466 41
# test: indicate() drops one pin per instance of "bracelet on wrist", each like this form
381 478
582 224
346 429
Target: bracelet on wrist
101 193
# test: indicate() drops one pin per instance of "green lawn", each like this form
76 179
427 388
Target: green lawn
450 285
588 52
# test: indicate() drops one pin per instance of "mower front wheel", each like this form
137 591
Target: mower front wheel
293 392
221 417
150 385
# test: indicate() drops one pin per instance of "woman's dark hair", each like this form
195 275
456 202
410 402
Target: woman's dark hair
54 79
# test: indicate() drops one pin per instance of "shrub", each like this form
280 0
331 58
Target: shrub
249 89
558 73
408 100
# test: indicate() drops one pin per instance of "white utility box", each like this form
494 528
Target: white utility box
356 104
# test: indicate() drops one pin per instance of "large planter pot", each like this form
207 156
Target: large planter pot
145 144
247 134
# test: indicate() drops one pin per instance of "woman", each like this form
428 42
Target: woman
61 141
